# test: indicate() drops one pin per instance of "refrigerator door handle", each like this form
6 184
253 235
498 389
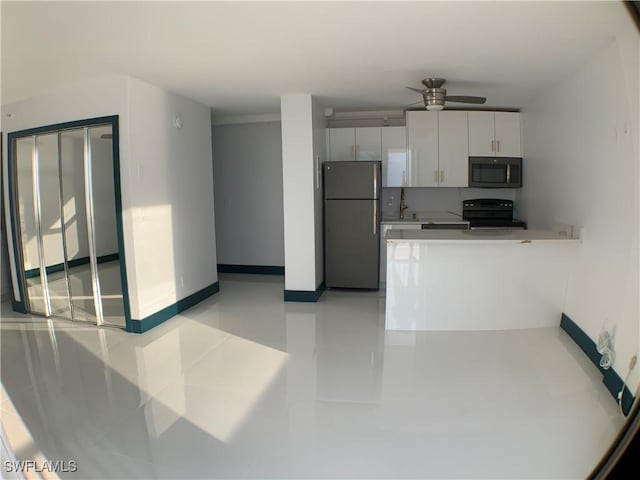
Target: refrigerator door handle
375 218
375 180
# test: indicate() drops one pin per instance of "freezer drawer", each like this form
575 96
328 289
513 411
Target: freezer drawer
351 180
352 243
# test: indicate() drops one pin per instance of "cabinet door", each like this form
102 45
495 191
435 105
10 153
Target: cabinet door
394 156
343 144
508 143
368 143
481 134
422 141
453 149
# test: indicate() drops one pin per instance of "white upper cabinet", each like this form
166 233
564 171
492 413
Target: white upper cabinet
394 156
508 142
453 149
354 144
438 149
494 134
342 142
482 134
368 143
422 141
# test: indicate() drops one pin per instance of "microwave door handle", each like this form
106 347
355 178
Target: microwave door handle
508 173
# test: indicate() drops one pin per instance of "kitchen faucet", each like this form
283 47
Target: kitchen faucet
403 206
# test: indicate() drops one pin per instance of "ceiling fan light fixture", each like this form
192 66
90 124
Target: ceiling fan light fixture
434 99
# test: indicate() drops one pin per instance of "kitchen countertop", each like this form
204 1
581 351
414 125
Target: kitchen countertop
477 236
424 217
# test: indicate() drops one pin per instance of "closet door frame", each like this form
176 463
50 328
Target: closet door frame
19 299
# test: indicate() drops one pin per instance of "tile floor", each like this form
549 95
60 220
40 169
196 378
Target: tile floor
245 386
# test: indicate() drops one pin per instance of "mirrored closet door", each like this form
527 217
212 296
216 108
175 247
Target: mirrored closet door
65 193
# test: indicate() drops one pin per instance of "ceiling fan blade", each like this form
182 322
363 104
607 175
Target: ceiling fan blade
464 99
417 90
408 107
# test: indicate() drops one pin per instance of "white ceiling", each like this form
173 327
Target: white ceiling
240 57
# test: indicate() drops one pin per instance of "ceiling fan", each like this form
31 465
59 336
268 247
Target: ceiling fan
434 95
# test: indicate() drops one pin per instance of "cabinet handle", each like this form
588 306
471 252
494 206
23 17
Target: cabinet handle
493 146
435 176
498 144
441 176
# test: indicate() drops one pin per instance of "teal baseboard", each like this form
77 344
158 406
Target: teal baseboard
147 323
76 262
304 295
610 378
257 269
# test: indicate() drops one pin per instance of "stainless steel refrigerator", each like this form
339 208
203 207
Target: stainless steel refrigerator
352 224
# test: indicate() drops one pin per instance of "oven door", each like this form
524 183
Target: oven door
495 172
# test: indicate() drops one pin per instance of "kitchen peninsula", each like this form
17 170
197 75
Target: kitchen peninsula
476 279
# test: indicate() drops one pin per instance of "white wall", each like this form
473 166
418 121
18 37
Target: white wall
172 202
300 193
581 167
247 178
166 180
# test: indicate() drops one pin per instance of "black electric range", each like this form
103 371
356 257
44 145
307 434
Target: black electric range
491 213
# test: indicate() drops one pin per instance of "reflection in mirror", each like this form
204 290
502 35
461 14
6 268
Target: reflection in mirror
24 149
75 221
67 210
51 224
104 213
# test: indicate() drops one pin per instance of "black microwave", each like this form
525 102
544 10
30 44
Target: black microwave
495 172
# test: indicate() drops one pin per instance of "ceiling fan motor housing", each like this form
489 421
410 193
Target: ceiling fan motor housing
434 97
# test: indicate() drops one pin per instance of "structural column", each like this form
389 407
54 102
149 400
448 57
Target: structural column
303 144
